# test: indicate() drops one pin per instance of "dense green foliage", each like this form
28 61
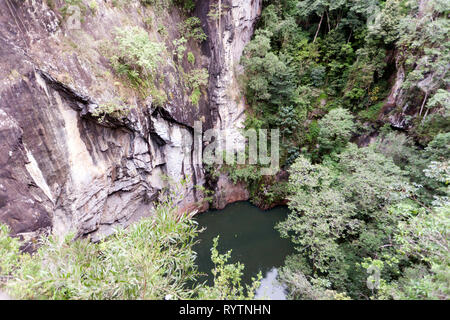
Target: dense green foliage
309 57
135 57
369 222
192 29
148 261
152 259
358 210
336 129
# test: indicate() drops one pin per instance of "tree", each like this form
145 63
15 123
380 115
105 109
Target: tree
336 129
270 81
338 214
227 279
369 179
152 259
421 236
318 221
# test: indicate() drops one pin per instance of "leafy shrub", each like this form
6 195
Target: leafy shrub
318 76
9 251
372 112
336 129
191 28
191 58
313 132
135 56
159 96
162 30
135 50
149 260
148 21
93 5
152 259
198 78
227 279
244 173
180 48
112 109
195 96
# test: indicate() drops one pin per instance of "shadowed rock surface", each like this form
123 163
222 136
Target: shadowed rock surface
60 168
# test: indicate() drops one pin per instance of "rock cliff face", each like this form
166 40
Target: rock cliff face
60 168
229 32
400 110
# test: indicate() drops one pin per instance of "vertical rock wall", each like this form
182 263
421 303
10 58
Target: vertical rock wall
60 169
228 35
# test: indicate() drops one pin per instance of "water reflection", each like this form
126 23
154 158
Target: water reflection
271 288
250 233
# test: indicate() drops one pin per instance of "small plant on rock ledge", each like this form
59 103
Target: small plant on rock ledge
135 56
192 29
112 109
180 48
191 58
197 79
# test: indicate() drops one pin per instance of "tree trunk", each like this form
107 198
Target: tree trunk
318 28
220 12
425 116
328 21
423 103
